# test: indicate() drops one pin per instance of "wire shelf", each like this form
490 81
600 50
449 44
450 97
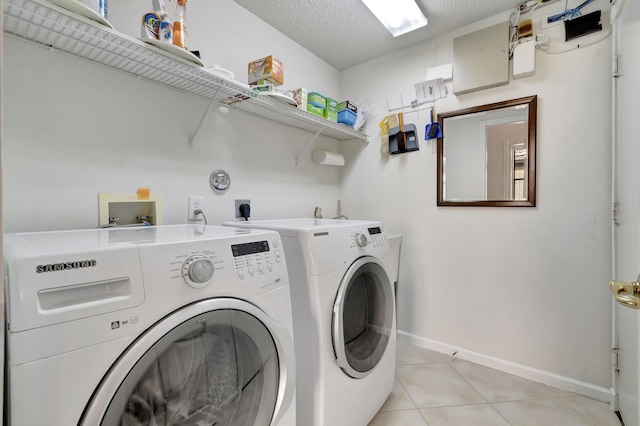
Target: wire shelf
52 27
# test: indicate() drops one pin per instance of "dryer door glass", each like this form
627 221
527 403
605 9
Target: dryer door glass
217 368
362 317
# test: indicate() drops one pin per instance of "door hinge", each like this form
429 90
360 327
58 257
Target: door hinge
615 352
616 67
615 214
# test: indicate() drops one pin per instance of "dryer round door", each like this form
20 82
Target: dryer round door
218 361
363 315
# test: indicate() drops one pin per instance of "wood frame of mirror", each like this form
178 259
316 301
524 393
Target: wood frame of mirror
530 201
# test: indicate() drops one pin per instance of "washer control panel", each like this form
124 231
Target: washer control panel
259 262
255 258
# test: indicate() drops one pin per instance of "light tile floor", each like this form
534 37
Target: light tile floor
433 389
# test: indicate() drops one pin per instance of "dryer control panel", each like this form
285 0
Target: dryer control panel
378 239
371 236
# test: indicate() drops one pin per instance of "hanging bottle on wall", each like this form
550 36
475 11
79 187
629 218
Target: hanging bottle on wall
180 34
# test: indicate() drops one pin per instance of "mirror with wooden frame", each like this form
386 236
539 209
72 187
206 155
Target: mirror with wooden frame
487 155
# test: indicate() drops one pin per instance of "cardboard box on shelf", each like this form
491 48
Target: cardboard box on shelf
347 105
266 70
331 111
317 99
315 110
331 115
300 96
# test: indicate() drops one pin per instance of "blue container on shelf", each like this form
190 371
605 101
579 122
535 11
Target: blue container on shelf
347 117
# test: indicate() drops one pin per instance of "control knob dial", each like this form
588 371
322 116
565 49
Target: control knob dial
361 240
197 271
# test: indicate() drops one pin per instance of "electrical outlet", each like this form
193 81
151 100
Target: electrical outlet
238 202
195 203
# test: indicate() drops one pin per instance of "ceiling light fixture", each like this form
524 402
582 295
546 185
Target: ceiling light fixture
398 16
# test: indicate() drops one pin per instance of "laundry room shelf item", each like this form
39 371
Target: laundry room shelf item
55 28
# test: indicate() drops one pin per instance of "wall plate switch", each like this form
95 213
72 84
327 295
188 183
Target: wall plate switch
195 203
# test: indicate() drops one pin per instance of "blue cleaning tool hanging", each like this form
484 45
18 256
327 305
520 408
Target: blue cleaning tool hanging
432 130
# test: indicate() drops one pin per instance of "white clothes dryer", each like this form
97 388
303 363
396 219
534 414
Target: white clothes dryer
168 325
344 317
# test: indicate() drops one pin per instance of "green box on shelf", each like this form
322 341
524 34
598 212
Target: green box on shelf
316 99
315 110
331 111
331 114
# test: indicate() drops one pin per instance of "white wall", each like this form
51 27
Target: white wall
523 289
74 129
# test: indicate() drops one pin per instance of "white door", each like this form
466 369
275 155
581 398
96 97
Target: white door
363 315
628 231
218 361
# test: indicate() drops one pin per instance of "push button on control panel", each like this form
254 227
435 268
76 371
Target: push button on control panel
253 260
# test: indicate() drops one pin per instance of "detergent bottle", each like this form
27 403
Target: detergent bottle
157 24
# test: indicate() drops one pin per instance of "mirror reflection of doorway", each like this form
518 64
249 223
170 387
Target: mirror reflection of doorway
506 161
519 179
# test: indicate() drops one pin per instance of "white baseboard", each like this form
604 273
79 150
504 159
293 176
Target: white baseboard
545 377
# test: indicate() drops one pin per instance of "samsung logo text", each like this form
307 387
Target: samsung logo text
66 266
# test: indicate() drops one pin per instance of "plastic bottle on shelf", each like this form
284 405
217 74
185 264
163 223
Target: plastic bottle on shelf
100 6
157 24
180 34
165 32
103 8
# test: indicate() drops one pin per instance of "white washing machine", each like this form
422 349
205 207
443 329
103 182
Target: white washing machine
344 317
169 325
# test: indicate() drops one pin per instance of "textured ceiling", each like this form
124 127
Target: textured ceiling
345 33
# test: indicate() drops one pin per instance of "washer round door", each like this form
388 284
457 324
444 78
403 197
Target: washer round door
217 361
363 315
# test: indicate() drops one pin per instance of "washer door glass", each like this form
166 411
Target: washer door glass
216 368
362 317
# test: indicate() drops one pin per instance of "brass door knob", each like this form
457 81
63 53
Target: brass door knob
627 294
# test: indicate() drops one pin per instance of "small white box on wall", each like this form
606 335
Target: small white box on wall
524 59
444 72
